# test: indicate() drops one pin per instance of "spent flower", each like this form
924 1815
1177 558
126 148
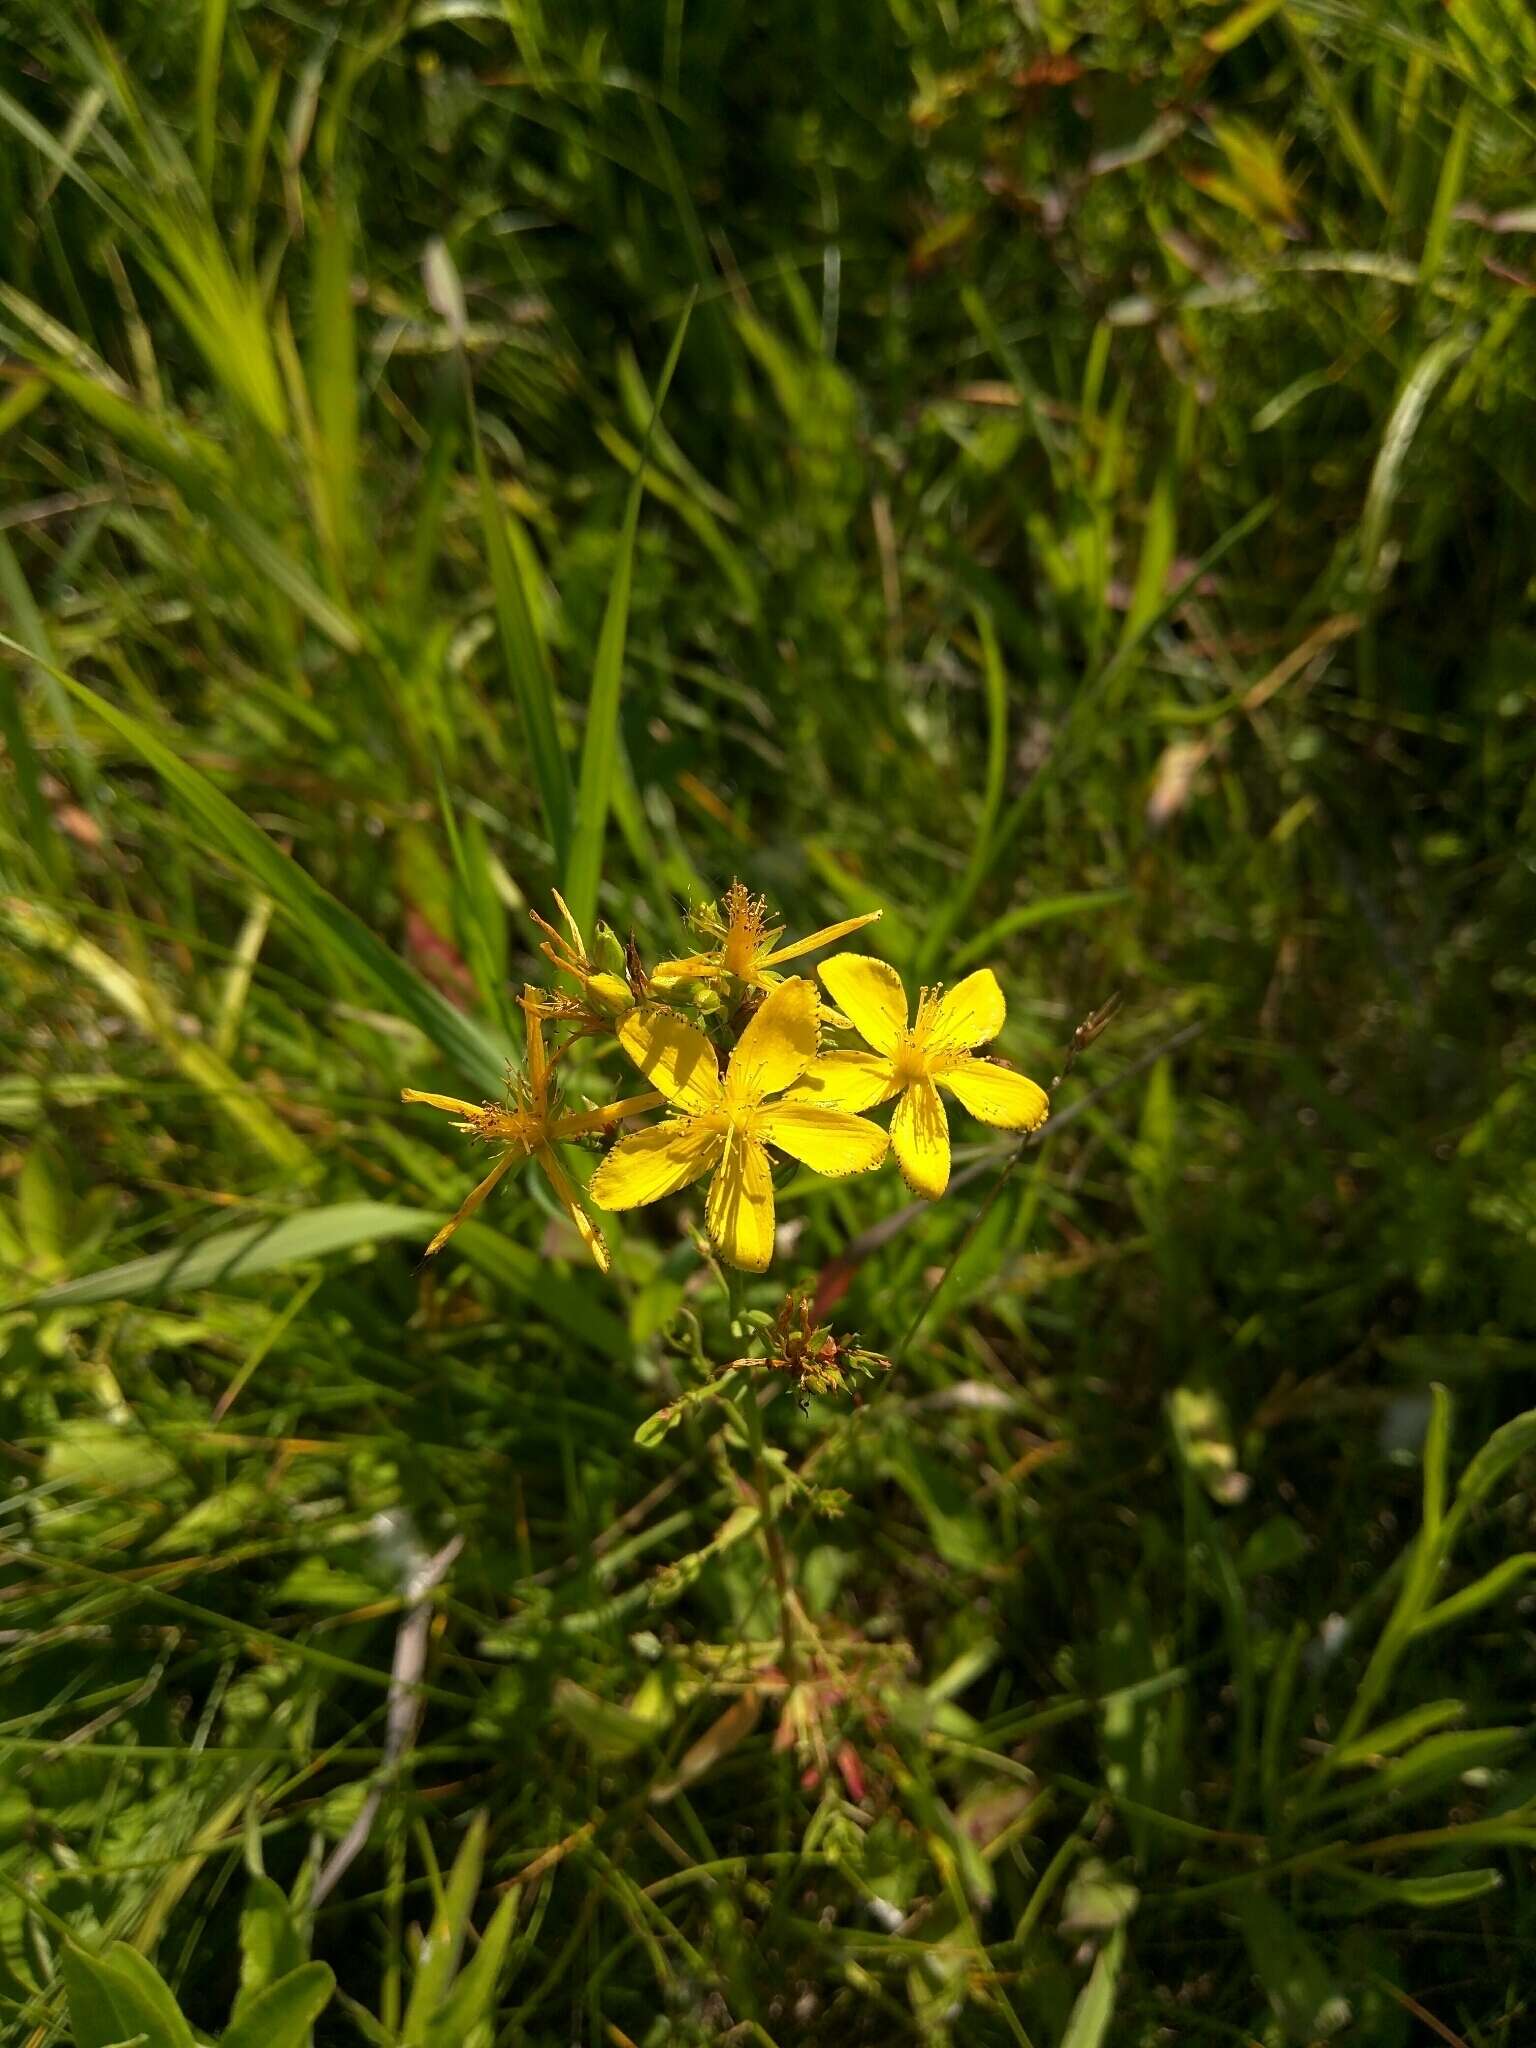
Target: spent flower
531 1126
746 945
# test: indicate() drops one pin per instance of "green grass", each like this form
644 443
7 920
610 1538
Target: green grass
1061 474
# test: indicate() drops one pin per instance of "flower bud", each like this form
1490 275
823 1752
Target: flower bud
611 992
608 950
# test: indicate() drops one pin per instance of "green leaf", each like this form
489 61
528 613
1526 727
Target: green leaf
92 1451
524 656
338 936
608 1729
316 1582
269 1941
1046 910
1503 1450
1439 1761
282 2015
438 1958
213 1520
1419 1894
1396 442
138 1996
333 379
600 743
1088 2021
200 473
661 1421
1481 1593
239 1254
959 899
1402 1733
472 2001
92 2014
1302 1992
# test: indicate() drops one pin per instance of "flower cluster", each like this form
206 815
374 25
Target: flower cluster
734 1049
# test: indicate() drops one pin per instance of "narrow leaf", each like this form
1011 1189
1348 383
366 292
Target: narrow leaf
269 1941
527 663
335 931
600 745
1304 1995
240 1254
472 2001
1088 2021
282 2015
439 1955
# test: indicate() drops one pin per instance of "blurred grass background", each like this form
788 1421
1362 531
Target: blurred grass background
1090 517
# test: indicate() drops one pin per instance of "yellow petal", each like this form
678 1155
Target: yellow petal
777 1046
828 1140
654 1163
995 1094
474 1198
538 1060
582 1123
870 994
674 1057
845 1080
970 1014
822 938
740 1209
570 1201
451 1103
697 967
920 1140
578 943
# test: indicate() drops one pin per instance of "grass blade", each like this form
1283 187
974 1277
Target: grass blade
959 900
239 1254
338 935
600 746
1088 2022
283 2014
525 658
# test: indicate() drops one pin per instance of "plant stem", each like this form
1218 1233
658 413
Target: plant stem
747 1407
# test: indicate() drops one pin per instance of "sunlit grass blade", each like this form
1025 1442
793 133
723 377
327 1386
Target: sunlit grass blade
341 939
333 382
1046 910
525 657
959 899
201 473
228 1096
209 52
600 741
239 1254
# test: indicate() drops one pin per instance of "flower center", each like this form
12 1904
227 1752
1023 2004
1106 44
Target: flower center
746 928
908 1061
510 1127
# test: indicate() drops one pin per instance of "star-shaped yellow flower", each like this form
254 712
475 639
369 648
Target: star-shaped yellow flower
914 1060
727 1123
747 944
531 1129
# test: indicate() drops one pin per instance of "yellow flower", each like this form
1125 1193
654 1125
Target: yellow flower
727 1123
599 980
530 1129
747 944
914 1060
